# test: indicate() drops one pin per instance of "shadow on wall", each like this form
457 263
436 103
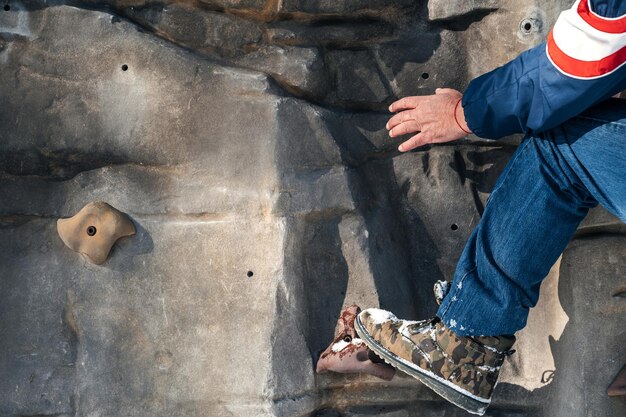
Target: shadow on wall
325 278
126 254
593 346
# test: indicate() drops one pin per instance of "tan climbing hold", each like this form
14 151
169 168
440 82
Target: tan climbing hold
94 230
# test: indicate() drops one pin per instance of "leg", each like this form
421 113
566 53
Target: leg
594 144
529 219
535 208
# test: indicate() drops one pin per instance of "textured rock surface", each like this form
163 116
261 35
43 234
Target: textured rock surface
246 141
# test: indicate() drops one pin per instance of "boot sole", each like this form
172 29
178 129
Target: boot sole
445 389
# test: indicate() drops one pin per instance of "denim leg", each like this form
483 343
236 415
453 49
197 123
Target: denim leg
539 200
530 216
594 144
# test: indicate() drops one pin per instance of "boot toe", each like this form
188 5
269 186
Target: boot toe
373 320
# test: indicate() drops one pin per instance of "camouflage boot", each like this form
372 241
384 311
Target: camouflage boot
463 370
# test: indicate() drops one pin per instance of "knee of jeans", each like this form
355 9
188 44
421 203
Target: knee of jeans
551 151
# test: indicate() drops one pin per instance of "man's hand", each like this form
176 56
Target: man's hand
432 116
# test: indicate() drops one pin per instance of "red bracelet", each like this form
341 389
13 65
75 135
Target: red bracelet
455 119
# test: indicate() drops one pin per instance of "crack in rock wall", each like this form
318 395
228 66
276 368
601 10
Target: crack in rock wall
245 139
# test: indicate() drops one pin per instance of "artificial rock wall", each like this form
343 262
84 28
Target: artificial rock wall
245 139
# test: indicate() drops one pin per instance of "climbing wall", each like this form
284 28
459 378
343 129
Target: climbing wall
245 140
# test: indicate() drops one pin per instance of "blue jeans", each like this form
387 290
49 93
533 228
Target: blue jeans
545 191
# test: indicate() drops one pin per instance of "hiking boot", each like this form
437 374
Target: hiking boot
463 370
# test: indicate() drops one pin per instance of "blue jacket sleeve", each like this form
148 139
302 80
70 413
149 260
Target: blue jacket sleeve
581 64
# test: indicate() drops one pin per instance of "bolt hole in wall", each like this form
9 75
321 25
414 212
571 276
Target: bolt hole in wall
526 26
91 230
250 274
425 75
454 227
124 67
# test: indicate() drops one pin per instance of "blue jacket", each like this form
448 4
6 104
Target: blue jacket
581 64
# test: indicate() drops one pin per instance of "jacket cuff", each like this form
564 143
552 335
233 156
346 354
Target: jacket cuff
473 118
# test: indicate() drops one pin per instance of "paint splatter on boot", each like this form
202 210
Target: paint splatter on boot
348 354
463 370
441 289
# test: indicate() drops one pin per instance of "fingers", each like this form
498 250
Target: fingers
399 118
410 126
445 91
405 103
418 140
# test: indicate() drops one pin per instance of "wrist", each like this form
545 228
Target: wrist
459 117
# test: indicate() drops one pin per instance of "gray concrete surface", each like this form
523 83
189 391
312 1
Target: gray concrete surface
246 141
